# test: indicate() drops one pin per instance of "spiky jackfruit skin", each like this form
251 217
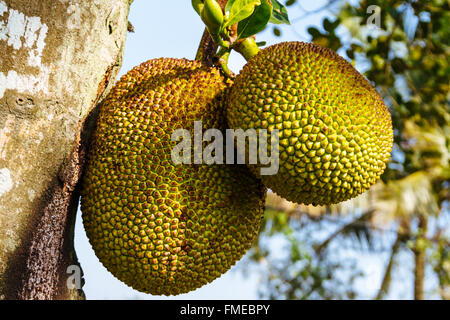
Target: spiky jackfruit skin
335 131
161 228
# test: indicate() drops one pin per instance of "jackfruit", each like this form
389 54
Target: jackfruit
335 132
162 228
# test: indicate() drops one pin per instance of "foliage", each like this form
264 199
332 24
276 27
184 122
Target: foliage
300 273
250 17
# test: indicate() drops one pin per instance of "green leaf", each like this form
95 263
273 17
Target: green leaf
276 31
314 32
350 54
327 25
290 2
261 43
229 5
279 14
256 22
240 10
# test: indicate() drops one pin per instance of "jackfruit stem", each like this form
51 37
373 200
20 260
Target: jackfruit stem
206 53
247 48
223 55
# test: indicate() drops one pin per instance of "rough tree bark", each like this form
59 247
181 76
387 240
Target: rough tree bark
207 49
59 58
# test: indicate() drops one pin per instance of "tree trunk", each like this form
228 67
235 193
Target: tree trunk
59 58
420 259
386 283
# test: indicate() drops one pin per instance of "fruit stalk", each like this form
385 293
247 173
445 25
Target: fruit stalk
211 12
209 44
247 48
223 56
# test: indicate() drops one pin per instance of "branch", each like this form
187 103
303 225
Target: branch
385 284
207 50
344 229
420 260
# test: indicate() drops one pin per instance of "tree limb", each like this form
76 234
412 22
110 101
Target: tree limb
385 284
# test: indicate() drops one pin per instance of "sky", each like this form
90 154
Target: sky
173 29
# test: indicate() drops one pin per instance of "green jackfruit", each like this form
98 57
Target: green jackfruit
335 132
163 228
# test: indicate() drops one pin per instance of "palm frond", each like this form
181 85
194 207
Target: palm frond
386 282
358 228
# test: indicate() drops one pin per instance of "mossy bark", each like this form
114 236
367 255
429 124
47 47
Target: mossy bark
59 58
